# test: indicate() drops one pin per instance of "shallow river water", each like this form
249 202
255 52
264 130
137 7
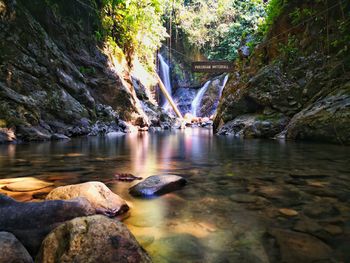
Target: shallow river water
231 207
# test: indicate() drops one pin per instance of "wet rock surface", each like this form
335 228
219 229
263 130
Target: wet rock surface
157 185
299 247
309 91
31 222
12 251
102 199
78 89
92 239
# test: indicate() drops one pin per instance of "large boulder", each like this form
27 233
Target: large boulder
12 251
254 126
31 222
91 239
98 194
158 185
327 119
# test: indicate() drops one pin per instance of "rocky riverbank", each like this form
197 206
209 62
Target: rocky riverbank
296 84
58 81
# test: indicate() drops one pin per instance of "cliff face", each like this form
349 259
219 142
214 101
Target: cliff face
296 85
56 79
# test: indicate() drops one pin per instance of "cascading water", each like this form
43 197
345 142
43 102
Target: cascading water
164 71
223 85
197 100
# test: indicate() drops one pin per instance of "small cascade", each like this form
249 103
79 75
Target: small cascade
164 72
197 100
223 85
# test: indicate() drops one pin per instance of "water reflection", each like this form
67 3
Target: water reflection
211 219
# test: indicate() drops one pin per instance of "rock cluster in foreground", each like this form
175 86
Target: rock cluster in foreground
86 238
65 227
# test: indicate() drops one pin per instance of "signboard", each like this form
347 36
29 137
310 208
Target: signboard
212 66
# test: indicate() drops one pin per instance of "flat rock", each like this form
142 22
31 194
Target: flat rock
306 175
299 247
288 212
58 136
157 185
244 198
126 177
92 239
333 229
12 251
30 222
320 210
98 194
27 184
177 248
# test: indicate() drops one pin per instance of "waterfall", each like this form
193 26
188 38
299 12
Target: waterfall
223 85
165 76
197 100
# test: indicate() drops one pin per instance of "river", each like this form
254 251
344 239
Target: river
234 192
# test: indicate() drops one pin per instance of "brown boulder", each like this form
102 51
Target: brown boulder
98 194
91 239
299 247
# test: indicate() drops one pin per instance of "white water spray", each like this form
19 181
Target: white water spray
164 71
223 85
198 99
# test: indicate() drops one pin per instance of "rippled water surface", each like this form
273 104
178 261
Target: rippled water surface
234 192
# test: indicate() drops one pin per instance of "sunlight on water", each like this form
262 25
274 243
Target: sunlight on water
235 187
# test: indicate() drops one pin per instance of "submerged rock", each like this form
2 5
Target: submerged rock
288 212
102 199
27 184
12 251
177 248
126 177
31 222
298 247
92 239
158 185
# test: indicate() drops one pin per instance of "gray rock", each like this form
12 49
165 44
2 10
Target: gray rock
98 194
12 251
30 222
92 239
157 185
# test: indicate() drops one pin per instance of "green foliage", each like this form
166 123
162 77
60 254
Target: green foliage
217 27
289 50
84 70
136 26
273 10
300 14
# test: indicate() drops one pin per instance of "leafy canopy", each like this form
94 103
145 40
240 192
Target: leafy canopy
217 27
